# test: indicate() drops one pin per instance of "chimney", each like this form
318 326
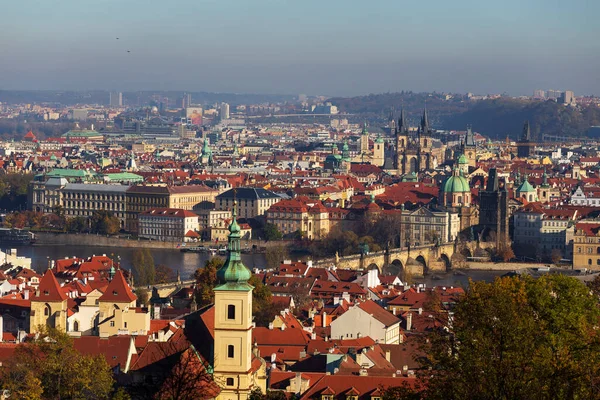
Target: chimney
409 321
26 294
313 336
324 320
283 327
363 372
271 325
309 263
420 311
387 355
1 328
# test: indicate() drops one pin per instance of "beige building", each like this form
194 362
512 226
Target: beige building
210 218
309 218
586 245
220 231
192 197
167 224
118 313
252 202
423 226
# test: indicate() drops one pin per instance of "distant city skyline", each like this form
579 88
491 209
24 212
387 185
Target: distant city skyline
336 48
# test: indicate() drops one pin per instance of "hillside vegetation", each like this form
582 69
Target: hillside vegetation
496 118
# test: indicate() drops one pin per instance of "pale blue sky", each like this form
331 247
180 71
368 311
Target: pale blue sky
331 47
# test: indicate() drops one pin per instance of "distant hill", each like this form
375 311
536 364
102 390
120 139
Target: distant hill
502 117
496 118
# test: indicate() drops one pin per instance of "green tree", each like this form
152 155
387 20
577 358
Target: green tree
104 223
518 338
272 232
206 279
49 367
76 225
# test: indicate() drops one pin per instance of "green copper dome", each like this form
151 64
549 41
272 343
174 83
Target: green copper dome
462 159
456 184
525 187
234 275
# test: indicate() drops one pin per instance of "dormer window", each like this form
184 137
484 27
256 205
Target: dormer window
46 293
114 293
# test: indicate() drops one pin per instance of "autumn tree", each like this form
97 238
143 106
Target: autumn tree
104 223
143 267
142 296
50 367
518 338
206 279
275 255
164 274
263 308
505 252
556 256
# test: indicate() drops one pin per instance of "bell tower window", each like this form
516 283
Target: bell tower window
230 311
230 351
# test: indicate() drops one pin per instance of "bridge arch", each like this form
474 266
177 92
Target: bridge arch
394 268
373 266
466 252
446 260
421 260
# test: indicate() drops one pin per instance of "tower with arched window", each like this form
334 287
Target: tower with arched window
48 305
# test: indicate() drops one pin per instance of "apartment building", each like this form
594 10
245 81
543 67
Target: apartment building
167 224
82 200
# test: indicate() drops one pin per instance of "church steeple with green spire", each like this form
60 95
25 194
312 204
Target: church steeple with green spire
345 151
234 275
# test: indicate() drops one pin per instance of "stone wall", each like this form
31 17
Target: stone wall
84 239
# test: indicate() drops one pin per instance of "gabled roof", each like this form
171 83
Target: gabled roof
49 289
118 291
379 313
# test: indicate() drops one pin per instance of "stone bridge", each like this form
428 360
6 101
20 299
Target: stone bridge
417 260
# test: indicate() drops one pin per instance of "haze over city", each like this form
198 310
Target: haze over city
331 48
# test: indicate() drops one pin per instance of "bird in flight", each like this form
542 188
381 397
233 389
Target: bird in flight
117 38
128 51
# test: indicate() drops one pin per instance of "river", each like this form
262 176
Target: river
185 263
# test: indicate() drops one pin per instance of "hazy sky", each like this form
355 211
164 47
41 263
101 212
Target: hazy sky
330 47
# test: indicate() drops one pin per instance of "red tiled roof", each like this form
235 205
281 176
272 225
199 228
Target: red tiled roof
118 291
365 385
115 349
49 289
278 337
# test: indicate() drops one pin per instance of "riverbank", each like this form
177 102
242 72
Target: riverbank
503 266
93 240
